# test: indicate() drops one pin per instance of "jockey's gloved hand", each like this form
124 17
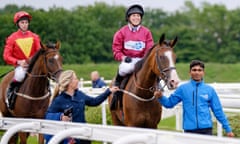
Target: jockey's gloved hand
127 59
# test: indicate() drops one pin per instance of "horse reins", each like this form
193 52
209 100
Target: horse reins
162 71
53 73
137 97
33 98
151 89
49 73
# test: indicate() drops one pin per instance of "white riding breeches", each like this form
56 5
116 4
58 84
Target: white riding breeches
127 68
20 73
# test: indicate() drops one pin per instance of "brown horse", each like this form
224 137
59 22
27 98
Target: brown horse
139 107
34 93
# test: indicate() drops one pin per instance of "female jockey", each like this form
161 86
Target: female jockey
130 44
19 48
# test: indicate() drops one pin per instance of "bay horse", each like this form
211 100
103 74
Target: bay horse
34 94
139 107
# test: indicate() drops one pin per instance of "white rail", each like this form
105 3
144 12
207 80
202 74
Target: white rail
112 134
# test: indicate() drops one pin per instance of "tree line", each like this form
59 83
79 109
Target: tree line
209 33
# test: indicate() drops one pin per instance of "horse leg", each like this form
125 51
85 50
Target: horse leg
23 137
40 139
13 139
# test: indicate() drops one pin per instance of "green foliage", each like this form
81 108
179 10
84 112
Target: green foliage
210 33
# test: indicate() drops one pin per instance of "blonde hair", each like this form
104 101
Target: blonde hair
63 82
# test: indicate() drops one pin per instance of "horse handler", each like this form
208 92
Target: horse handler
197 99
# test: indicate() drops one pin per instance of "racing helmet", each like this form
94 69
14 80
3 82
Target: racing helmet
133 10
21 15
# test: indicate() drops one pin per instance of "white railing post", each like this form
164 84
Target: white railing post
80 84
178 114
219 129
104 113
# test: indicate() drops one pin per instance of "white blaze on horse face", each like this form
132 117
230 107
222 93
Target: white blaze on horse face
56 57
174 79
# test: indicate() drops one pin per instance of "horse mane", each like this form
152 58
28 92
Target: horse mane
139 64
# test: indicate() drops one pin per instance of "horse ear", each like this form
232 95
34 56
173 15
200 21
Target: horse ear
58 45
42 46
162 38
173 42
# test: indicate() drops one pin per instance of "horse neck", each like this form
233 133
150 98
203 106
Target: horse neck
36 82
145 77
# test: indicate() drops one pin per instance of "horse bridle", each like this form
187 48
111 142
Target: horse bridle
52 75
162 71
49 74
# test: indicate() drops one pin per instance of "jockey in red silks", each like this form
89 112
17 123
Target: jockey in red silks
19 48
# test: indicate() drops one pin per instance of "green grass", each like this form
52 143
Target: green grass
214 72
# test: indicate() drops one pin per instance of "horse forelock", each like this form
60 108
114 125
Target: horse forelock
167 43
51 45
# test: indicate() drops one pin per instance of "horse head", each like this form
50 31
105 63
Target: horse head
53 60
163 62
47 62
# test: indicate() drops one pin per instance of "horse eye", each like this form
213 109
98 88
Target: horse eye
51 60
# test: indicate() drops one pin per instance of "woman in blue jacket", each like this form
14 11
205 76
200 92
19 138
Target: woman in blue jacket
197 99
67 96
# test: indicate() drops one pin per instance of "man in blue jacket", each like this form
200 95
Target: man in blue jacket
97 82
197 99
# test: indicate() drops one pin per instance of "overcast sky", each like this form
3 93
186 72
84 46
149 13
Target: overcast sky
166 5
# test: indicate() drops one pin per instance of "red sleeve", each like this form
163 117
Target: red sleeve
117 46
149 42
8 51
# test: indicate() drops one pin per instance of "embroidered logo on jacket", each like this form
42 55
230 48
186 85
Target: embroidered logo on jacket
134 45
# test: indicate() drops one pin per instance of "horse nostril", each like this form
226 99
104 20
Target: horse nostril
173 84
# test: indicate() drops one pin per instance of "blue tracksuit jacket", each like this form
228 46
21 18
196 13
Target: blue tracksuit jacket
197 99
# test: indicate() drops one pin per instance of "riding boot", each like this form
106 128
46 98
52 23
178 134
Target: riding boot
11 96
116 95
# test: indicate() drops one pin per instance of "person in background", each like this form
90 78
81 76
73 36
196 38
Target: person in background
197 99
19 48
130 43
67 96
97 82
